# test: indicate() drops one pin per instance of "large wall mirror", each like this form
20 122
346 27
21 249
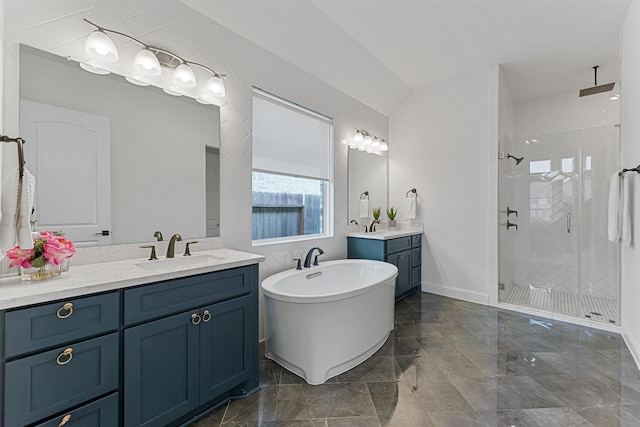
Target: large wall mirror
367 172
114 162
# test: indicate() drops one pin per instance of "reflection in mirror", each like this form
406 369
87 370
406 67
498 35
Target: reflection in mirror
367 172
115 162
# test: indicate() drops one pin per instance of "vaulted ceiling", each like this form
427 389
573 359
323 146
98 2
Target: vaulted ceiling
380 51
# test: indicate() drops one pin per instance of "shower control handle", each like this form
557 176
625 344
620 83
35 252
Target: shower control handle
510 211
568 223
510 224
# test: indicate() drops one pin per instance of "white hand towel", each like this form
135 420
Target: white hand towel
13 230
364 208
626 230
410 206
613 230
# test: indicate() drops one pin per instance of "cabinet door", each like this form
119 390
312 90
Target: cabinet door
226 341
161 370
402 260
101 413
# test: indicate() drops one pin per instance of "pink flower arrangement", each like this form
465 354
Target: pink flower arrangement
48 248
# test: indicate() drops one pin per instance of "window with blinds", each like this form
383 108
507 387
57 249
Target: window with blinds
292 170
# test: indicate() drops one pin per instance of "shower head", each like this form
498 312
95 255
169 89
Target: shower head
517 159
596 89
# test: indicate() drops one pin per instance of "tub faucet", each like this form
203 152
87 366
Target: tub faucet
307 260
172 245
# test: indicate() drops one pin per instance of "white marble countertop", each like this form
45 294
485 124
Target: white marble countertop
386 234
107 276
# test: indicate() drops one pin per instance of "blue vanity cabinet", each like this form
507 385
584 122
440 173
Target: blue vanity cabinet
403 252
178 365
58 365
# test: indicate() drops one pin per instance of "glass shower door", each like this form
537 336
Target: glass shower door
545 190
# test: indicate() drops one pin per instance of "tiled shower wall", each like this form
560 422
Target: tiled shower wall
51 26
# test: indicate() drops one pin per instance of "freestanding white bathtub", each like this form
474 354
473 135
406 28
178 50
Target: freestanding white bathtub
324 320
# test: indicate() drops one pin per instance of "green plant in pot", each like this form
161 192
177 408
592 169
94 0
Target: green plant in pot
376 213
391 214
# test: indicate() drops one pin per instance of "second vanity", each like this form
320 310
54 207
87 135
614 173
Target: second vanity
402 248
145 343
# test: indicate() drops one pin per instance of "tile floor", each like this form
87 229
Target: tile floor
454 363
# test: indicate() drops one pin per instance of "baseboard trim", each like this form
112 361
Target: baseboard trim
632 344
457 293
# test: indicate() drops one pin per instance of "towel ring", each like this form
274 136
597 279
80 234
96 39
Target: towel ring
414 191
364 195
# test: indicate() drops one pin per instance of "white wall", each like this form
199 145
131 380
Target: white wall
630 143
565 112
202 40
440 146
157 145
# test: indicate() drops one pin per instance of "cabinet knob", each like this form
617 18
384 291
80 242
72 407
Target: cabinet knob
65 357
195 319
206 316
65 311
65 420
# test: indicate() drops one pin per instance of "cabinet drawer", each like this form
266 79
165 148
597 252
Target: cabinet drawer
101 413
399 244
416 240
39 386
416 257
53 324
153 301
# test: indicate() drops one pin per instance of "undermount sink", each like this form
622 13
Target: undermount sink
167 264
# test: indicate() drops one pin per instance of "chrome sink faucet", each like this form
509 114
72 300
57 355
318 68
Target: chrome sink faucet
307 260
172 245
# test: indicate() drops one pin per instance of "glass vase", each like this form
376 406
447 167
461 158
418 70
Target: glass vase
36 274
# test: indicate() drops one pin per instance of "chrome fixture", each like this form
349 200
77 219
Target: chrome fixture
153 251
307 260
149 65
187 252
363 140
158 235
172 245
372 226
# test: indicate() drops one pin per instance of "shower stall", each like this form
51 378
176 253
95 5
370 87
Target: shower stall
554 254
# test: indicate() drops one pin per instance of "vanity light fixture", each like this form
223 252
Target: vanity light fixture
149 65
366 141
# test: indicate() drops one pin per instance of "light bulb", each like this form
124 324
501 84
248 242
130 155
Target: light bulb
384 146
376 143
367 140
357 137
183 76
146 63
100 46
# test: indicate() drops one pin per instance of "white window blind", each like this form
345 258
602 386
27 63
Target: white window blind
289 139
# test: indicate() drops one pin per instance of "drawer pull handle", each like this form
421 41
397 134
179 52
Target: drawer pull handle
206 316
195 319
65 311
68 353
65 420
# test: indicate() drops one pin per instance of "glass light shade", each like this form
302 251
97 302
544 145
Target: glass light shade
384 146
357 137
214 87
367 140
146 64
100 46
93 69
183 76
376 143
